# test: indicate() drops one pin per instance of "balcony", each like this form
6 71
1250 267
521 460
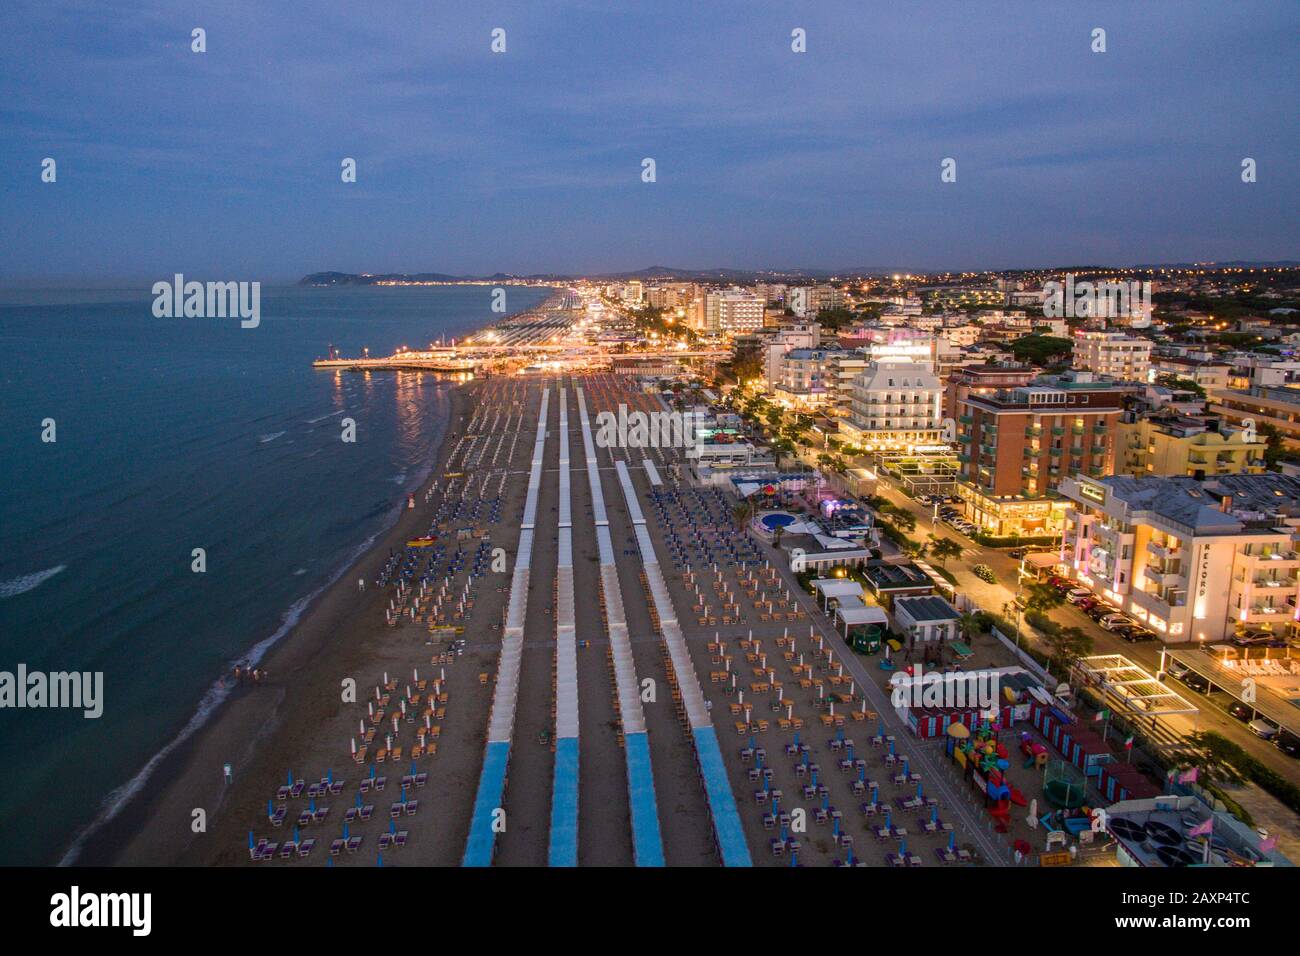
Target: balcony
1165 552
1273 559
1163 576
1264 613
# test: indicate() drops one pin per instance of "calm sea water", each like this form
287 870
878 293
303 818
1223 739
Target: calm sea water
176 434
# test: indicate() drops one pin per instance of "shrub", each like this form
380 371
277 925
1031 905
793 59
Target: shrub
984 573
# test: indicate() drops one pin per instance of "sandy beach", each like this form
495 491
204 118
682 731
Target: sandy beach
261 729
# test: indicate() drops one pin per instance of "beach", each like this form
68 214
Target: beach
264 725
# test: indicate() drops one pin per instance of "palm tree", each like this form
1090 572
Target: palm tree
742 512
968 625
944 548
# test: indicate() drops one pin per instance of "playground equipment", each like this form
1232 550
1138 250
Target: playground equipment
1063 785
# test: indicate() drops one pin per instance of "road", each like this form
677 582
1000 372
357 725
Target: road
994 597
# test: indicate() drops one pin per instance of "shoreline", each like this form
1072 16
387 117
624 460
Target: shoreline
331 618
240 715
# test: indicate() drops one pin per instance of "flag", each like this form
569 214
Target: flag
1188 776
1102 715
1202 829
1128 744
1267 844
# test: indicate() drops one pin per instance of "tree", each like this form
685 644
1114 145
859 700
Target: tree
1038 349
742 512
944 548
968 625
1216 756
1068 644
1274 447
1042 597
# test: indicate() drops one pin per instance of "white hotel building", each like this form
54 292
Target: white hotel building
1194 560
896 405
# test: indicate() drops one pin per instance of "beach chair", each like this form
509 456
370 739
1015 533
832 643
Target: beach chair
354 844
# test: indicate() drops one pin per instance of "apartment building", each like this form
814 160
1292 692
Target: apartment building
803 382
1210 376
1188 445
1193 560
895 405
1120 356
1017 445
981 379
732 311
775 346
1276 405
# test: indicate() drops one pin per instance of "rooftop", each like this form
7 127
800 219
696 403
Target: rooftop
926 608
1227 504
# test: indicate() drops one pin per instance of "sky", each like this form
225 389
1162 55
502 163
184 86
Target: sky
225 165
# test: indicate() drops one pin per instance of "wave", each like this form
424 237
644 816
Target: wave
271 436
117 801
25 583
313 421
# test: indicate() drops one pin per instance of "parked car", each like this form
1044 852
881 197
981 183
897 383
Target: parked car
1136 634
1255 639
1017 553
1287 742
1060 583
1075 595
1194 680
1241 711
1100 611
1113 622
1262 728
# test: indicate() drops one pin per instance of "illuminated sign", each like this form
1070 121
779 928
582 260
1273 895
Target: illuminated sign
1094 492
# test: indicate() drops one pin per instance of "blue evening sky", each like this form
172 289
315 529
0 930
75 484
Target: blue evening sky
225 165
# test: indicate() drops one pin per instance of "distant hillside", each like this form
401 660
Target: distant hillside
674 274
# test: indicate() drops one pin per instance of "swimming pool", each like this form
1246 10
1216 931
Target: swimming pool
777 519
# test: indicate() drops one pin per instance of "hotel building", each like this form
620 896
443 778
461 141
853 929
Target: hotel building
1018 444
1190 445
1114 354
1278 406
895 405
1194 560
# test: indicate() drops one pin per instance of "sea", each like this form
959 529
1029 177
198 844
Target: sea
172 435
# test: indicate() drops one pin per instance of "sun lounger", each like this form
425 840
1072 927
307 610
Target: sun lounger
336 846
304 848
354 844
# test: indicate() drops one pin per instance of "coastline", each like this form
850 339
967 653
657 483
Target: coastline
184 780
